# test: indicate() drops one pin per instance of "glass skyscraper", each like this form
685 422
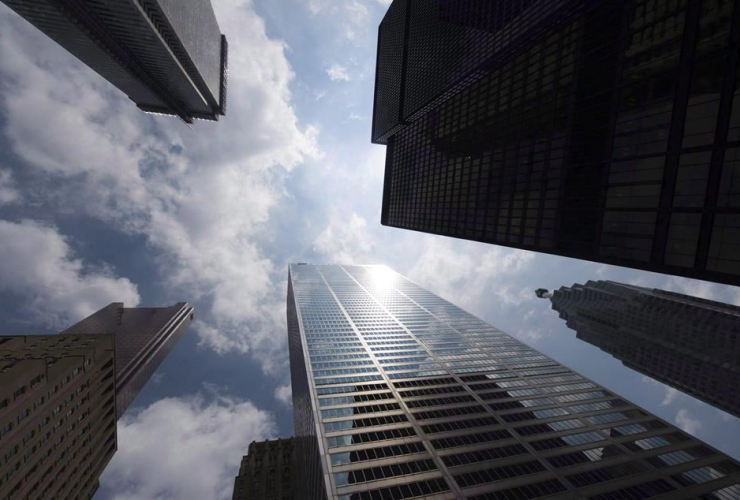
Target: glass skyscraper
400 394
168 56
604 130
687 342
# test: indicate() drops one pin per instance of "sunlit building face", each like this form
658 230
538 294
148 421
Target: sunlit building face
398 393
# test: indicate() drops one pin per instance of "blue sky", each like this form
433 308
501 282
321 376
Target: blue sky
100 202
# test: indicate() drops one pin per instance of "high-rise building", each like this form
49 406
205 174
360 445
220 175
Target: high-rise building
397 393
57 415
689 343
167 56
143 337
267 471
600 130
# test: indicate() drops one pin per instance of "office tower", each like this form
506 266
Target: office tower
167 56
600 130
144 336
689 343
57 415
399 394
267 471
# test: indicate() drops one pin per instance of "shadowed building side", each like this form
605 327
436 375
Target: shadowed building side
268 471
168 57
604 130
143 337
689 343
57 414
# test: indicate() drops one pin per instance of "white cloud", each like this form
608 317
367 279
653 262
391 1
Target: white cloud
284 394
186 448
670 396
685 422
8 192
39 266
472 275
337 73
201 196
345 241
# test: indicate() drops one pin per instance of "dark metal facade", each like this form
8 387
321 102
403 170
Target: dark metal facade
689 343
168 57
405 395
143 335
607 131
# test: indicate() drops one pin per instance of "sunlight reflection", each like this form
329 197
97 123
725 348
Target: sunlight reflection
382 276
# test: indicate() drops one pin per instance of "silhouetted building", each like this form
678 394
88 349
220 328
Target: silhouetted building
168 56
57 415
143 336
600 130
399 394
689 343
267 471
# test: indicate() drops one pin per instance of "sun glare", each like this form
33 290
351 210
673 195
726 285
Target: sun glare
382 276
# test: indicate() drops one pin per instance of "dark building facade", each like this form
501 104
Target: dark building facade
143 337
167 56
398 393
267 471
600 130
689 343
57 415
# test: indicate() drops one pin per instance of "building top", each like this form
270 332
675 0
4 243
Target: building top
143 337
168 57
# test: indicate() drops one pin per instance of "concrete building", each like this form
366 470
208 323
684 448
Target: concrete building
57 415
267 471
144 336
167 56
398 393
600 130
61 395
689 343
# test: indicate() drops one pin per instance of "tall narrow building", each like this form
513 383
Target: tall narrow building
143 338
601 130
57 415
168 56
689 343
397 393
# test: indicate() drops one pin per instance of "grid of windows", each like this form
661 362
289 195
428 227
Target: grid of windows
499 136
687 342
515 414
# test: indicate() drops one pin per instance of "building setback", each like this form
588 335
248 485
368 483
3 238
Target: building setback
144 336
57 415
167 56
399 394
600 130
267 471
689 343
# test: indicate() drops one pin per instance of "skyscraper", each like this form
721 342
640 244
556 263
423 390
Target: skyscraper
57 415
689 343
399 394
267 471
167 56
600 130
143 338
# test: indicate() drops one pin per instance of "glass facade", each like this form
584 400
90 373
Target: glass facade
400 394
687 342
605 131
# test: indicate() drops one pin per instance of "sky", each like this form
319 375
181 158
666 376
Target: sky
100 202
